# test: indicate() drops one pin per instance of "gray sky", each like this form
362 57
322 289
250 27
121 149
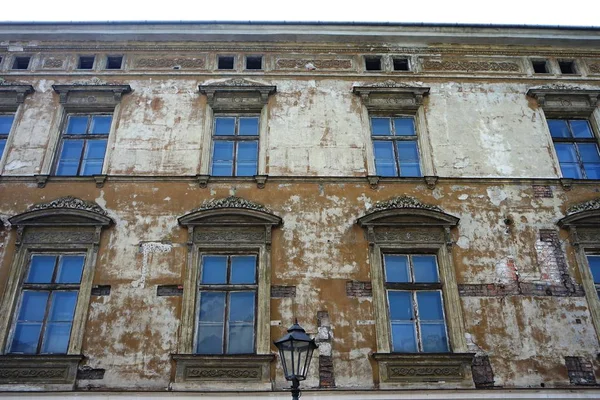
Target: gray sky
536 12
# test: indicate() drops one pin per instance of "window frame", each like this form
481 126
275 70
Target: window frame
574 141
5 136
236 138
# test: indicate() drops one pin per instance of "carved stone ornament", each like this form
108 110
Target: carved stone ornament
583 215
70 202
587 206
594 68
53 63
317 64
237 95
222 368
561 99
402 202
423 367
470 66
231 202
40 369
12 95
91 94
170 63
391 96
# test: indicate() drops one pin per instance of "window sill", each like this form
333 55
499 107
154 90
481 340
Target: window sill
215 372
39 369
424 367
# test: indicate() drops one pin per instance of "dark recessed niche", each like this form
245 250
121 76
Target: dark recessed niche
225 62
401 64
21 62
86 62
540 66
567 67
373 63
254 62
114 62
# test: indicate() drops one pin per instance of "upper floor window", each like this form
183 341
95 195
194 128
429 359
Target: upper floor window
576 148
594 263
416 312
227 304
235 145
83 144
6 122
395 146
47 304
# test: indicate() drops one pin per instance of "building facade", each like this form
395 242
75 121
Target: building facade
424 200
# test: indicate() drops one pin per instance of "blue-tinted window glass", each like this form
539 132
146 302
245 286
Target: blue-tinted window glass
385 161
559 128
26 338
425 269
592 170
224 126
381 126
68 163
211 323
401 308
6 122
33 306
248 126
594 262
222 158
247 158
396 268
404 126
214 270
100 124
433 337
408 156
70 268
41 269
62 306
589 152
2 146
581 128
93 157
430 306
567 158
243 269
77 125
56 338
404 337
241 322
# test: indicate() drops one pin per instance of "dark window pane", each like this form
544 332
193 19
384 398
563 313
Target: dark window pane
101 124
77 125
430 306
70 156
404 126
56 338
425 269
247 159
214 270
6 123
224 126
62 306
385 162
2 146
26 338
396 268
248 126
93 157
433 336
33 306
594 262
381 126
243 269
210 323
41 269
404 338
401 307
69 269
581 128
222 158
559 128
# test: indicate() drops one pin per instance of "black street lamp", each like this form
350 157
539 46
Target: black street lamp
295 350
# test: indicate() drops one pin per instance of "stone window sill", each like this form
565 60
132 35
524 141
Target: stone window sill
423 367
39 369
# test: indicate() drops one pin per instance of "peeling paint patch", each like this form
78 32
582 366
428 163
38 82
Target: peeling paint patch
147 249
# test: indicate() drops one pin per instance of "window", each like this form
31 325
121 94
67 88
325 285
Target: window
47 304
225 62
567 67
373 63
401 64
6 121
83 144
395 146
576 148
114 62
226 304
594 263
416 313
235 145
21 62
254 62
86 62
540 66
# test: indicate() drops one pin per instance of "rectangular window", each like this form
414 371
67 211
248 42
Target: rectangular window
83 144
47 304
226 313
114 62
415 304
235 145
6 121
254 62
21 62
401 64
225 62
373 63
395 146
594 263
86 62
540 66
576 148
567 67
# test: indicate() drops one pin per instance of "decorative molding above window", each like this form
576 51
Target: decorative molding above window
91 96
237 95
391 96
13 95
560 100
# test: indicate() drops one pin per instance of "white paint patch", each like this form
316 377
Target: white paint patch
496 195
463 196
147 249
276 322
463 242
13 165
365 322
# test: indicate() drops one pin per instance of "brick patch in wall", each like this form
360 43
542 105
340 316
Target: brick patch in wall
359 289
90 373
326 376
483 375
101 290
581 371
283 291
542 191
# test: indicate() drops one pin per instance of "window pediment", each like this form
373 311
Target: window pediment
96 96
391 96
561 99
406 211
13 95
63 211
230 211
584 214
237 95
